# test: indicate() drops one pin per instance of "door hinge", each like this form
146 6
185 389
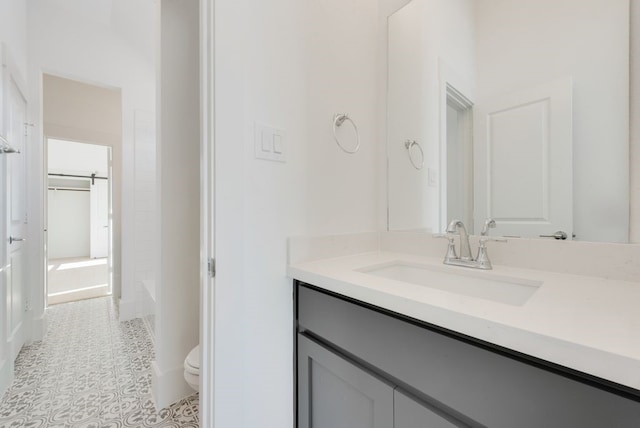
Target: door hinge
211 268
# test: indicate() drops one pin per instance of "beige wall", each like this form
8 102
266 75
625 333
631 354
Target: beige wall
87 113
81 112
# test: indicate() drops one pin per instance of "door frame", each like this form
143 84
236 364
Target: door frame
458 88
45 210
207 214
464 108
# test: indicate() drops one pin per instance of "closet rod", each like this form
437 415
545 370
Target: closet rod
78 176
92 177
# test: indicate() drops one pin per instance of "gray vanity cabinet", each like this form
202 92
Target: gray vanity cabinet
362 366
409 413
335 393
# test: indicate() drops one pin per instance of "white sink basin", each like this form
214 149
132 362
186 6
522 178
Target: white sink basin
460 280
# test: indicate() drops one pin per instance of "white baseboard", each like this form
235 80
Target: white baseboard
15 341
6 375
168 387
39 327
128 310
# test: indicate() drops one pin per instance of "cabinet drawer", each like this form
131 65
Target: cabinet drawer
467 381
335 393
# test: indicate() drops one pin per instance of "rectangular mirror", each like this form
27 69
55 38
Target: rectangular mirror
516 110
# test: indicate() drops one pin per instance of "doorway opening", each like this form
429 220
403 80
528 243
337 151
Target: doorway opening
459 150
79 221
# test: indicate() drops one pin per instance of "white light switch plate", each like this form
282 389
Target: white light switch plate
433 177
270 143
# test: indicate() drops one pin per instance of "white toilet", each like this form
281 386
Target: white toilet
192 368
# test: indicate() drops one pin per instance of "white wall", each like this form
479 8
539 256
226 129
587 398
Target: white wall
145 237
67 41
67 157
13 32
69 224
178 154
341 45
427 39
408 119
521 45
634 157
290 65
230 57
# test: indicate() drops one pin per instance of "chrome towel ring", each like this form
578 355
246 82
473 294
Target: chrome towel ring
409 144
5 147
338 120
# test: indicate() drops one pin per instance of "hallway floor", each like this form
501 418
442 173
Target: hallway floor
89 371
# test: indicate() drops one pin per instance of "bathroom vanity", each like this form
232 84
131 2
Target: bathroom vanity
378 348
483 120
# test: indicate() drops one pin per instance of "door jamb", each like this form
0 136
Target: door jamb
207 214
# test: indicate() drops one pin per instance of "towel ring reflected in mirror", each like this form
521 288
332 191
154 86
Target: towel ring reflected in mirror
338 120
414 154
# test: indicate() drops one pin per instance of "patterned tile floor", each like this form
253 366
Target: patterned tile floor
89 371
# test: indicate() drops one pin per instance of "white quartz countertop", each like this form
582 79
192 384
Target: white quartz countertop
584 323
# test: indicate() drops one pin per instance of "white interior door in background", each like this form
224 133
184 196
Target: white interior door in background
16 219
523 161
99 195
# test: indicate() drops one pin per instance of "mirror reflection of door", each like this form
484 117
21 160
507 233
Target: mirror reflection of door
524 161
78 211
459 149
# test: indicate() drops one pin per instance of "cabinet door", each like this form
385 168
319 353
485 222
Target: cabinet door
412 414
335 393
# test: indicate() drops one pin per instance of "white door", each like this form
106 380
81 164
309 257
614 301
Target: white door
16 218
99 196
523 161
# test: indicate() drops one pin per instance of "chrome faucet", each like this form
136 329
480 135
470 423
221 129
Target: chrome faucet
481 261
457 227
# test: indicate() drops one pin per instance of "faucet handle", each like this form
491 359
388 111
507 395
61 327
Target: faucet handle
482 258
451 248
488 224
453 226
